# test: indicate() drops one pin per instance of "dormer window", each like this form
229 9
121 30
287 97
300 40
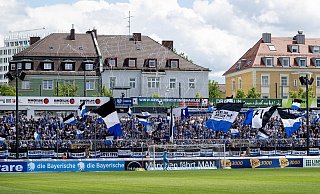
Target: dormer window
294 48
12 66
19 65
47 66
302 61
315 49
68 66
285 61
268 61
152 63
316 62
132 62
111 62
174 63
28 66
88 66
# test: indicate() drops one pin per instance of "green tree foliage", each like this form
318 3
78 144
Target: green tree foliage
214 90
198 95
67 89
301 93
6 90
240 93
155 96
105 92
253 93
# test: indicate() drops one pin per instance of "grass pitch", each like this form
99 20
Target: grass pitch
294 180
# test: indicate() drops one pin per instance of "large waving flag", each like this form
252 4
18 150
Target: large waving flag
262 134
248 117
129 112
109 115
291 122
296 104
70 119
82 109
223 117
261 116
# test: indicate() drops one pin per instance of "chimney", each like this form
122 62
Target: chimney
72 34
168 44
34 40
266 37
300 37
136 36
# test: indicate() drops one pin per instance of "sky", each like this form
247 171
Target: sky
212 33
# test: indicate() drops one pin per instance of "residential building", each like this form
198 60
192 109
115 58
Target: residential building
139 66
57 59
274 64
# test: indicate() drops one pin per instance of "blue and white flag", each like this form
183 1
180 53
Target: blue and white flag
262 134
129 112
223 117
79 134
70 119
291 122
110 116
296 103
235 132
145 114
184 113
248 117
210 109
82 109
261 116
36 136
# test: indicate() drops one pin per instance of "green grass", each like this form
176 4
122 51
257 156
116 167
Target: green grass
294 180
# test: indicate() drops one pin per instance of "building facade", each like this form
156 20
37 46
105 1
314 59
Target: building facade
274 64
57 60
137 65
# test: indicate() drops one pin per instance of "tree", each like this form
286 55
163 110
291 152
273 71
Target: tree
214 90
301 94
6 90
253 93
105 92
240 93
67 89
155 96
198 95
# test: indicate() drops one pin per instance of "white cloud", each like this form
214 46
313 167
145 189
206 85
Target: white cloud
214 34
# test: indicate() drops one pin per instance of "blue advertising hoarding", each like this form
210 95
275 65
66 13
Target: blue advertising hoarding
71 166
263 163
123 102
13 166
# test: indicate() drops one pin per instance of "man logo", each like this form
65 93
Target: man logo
283 162
254 162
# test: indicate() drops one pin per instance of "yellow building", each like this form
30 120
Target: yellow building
274 64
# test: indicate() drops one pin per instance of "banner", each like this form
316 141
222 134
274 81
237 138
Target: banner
182 164
127 102
307 163
167 102
263 163
264 102
72 166
13 166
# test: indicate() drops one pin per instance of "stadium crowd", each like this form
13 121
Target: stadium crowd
45 131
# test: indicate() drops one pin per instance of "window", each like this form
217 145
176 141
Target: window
192 83
13 66
132 62
172 83
111 62
264 80
174 63
90 85
294 48
19 65
68 66
88 66
47 84
5 68
285 62
132 82
239 83
112 82
269 62
317 62
233 85
153 82
284 81
295 83
47 66
302 62
25 85
152 63
272 48
316 49
318 81
27 65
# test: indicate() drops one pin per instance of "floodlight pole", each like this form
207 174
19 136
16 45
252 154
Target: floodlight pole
17 113
307 117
